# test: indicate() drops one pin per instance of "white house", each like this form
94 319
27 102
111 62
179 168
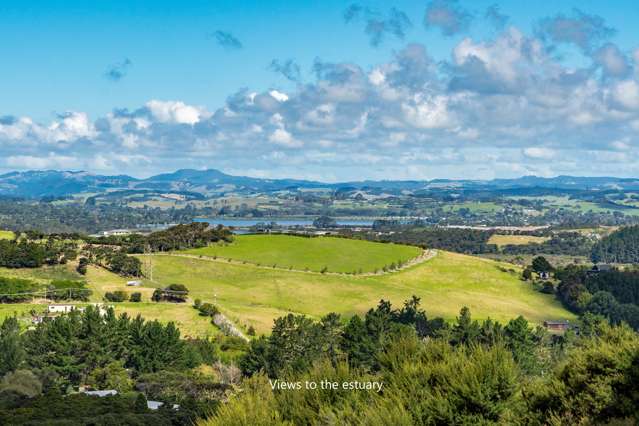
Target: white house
62 309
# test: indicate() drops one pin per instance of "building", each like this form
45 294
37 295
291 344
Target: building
600 268
62 308
100 393
116 232
544 275
155 405
559 326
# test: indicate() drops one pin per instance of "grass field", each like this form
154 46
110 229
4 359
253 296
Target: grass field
286 251
6 235
255 296
504 240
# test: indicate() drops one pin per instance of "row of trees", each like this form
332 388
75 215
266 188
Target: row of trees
178 237
23 253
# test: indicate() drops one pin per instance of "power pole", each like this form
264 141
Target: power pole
149 257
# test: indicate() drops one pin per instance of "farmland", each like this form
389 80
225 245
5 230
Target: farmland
504 240
252 295
313 254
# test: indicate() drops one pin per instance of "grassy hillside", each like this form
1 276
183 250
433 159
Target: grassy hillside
336 254
251 295
255 296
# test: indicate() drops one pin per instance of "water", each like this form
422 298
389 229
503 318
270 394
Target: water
243 223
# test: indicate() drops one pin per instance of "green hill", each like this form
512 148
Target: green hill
313 254
255 295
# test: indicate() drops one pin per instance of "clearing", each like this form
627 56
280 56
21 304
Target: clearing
517 240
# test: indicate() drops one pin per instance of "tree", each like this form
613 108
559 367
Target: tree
157 295
527 273
521 342
11 351
116 296
22 383
540 264
83 262
465 331
111 376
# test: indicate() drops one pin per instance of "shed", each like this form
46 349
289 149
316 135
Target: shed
560 325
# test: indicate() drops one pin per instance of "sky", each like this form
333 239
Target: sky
330 90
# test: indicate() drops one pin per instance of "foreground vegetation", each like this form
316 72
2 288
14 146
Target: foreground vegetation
399 367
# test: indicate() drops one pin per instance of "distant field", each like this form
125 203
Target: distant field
336 254
504 240
6 235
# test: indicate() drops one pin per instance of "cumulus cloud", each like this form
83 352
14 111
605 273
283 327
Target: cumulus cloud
498 106
175 112
227 40
376 25
116 72
448 16
580 29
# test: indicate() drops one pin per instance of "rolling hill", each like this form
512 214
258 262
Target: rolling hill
252 295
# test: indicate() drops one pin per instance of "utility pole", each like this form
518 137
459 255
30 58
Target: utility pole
149 258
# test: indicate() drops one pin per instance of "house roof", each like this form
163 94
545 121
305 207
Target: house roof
101 393
558 322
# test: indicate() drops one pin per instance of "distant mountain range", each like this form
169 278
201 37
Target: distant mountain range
52 183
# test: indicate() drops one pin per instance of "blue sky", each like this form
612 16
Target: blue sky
404 89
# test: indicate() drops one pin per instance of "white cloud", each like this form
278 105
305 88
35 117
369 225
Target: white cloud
175 112
626 93
283 138
280 96
539 153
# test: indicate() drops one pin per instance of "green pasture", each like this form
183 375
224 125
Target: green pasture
314 254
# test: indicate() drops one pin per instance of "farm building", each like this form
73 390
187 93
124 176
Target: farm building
557 325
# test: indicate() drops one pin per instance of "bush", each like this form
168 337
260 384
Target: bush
208 310
548 288
82 266
116 296
135 297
